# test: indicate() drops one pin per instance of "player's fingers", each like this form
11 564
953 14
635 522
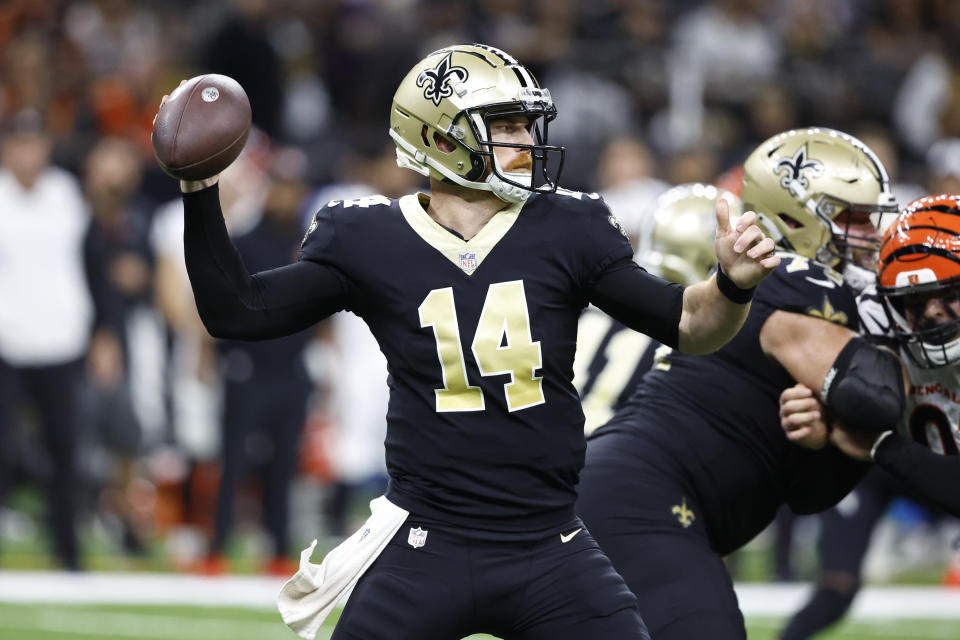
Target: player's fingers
799 435
723 217
802 420
744 221
799 405
771 262
761 248
796 391
749 236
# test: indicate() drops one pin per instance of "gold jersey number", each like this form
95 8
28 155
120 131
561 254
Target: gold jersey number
501 345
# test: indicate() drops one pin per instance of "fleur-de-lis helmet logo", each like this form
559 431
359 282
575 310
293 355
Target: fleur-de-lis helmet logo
793 168
441 79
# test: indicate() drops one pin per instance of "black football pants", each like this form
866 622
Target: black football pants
455 585
683 588
261 427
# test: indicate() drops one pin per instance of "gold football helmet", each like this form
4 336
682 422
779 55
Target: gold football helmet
677 239
800 182
441 114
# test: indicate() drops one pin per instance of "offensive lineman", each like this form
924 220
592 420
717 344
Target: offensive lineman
696 464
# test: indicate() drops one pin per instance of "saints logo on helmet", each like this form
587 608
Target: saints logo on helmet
808 186
677 239
440 80
919 279
441 114
794 169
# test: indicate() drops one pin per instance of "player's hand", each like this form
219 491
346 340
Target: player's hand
745 254
801 417
856 443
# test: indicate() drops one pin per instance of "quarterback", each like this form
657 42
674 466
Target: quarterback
473 293
695 464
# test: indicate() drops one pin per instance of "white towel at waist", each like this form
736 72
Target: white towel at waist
310 595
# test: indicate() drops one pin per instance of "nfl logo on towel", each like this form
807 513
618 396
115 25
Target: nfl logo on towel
468 261
417 537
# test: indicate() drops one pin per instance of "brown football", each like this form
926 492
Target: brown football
201 127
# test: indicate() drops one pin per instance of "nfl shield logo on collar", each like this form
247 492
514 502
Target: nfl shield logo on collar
417 537
468 261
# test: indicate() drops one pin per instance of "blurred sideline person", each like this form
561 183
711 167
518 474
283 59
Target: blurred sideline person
265 384
919 307
121 280
625 179
695 465
675 243
484 435
46 315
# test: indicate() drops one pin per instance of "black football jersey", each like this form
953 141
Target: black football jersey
484 425
713 421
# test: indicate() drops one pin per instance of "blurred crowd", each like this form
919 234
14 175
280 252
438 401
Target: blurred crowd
137 424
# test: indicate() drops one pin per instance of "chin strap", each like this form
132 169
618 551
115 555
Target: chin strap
506 191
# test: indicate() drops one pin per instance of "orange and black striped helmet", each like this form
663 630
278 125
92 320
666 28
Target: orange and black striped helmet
920 259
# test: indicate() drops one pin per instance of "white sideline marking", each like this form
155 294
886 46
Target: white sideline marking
872 603
138 588
261 592
138 625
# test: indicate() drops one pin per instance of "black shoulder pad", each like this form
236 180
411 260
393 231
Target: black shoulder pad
804 286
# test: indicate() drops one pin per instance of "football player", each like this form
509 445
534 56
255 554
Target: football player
696 464
919 290
675 241
473 293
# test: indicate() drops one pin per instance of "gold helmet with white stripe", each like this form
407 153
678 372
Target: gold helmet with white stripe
441 114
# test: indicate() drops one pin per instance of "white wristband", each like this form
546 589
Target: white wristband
873 450
189 186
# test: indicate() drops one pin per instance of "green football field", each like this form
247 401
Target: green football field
62 622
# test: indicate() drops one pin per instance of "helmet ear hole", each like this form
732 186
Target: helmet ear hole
443 144
789 221
423 136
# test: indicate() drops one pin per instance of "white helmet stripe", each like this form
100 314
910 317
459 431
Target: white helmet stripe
525 78
506 57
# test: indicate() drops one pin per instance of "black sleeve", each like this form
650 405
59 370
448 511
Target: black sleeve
930 474
640 300
235 305
822 479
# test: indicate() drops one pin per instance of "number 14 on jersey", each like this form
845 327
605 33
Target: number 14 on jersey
501 345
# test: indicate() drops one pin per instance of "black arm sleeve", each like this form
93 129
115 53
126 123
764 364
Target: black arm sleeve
640 300
822 480
235 305
931 475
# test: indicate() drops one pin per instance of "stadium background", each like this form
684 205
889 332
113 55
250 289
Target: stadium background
650 93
